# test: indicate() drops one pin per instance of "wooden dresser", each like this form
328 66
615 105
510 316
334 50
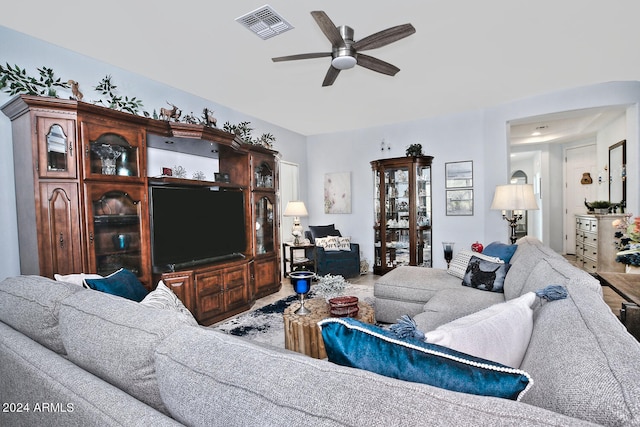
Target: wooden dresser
595 250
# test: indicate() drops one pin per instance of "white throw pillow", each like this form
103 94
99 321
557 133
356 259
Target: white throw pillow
344 243
499 333
459 263
162 297
76 279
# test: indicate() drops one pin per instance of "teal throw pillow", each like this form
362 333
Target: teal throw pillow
501 250
352 343
485 275
122 283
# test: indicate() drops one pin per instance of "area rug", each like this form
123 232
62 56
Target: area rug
266 325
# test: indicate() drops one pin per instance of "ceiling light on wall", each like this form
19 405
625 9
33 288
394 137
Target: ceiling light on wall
265 22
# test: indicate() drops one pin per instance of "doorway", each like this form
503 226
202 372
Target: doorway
580 186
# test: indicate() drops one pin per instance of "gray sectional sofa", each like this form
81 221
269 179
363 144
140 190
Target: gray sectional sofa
77 357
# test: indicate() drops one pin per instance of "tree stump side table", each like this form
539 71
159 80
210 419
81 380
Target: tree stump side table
302 333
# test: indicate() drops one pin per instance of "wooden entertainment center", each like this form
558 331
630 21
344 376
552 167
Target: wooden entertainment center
82 195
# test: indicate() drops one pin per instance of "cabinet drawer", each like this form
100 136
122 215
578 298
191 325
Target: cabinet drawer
589 265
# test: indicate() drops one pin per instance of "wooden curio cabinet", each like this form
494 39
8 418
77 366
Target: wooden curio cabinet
402 212
264 181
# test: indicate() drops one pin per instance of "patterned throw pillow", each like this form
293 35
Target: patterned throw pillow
344 243
458 265
485 275
163 298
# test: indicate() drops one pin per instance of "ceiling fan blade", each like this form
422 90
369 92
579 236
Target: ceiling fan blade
328 28
384 37
376 64
331 76
301 56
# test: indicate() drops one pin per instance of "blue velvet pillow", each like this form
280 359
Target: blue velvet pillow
352 343
485 275
501 250
122 283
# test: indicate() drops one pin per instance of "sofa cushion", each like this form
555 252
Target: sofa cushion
352 343
530 251
122 283
460 262
499 333
500 250
586 365
485 275
450 304
31 305
163 298
115 338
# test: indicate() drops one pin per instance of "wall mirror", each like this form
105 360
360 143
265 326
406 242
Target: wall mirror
618 172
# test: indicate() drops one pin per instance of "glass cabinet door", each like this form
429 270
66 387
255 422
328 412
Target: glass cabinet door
112 151
397 218
264 225
56 148
115 220
423 215
263 176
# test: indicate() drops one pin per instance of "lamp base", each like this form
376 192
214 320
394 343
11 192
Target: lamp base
513 223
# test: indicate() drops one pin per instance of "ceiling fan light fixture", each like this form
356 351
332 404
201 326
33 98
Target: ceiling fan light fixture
343 62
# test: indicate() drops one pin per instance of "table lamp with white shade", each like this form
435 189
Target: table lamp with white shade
516 198
296 209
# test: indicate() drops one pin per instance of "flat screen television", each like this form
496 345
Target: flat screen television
192 226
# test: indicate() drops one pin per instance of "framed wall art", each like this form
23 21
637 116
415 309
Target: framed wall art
459 174
460 202
337 193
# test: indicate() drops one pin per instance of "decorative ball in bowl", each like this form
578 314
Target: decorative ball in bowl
344 306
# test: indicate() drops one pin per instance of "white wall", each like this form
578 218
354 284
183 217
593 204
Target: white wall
31 53
449 139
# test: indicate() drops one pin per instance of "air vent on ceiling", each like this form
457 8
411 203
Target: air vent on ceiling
265 22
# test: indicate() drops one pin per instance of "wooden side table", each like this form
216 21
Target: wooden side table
290 260
302 333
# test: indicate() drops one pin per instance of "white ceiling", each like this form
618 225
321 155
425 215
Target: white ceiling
465 55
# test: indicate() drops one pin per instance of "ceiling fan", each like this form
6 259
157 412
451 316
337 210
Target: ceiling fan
345 52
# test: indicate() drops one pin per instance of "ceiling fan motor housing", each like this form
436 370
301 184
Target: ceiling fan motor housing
344 57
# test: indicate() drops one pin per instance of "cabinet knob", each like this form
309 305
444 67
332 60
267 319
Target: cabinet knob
61 241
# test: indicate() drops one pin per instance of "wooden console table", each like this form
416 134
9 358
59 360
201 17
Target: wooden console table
628 287
302 333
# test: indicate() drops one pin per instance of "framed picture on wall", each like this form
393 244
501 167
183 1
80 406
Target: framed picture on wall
460 202
459 174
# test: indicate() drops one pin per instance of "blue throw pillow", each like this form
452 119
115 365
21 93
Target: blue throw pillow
352 343
122 283
501 250
485 275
